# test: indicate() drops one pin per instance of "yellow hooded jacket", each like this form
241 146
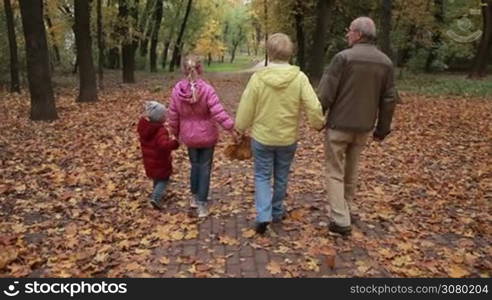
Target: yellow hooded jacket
271 105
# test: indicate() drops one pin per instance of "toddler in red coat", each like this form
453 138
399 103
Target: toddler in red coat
156 149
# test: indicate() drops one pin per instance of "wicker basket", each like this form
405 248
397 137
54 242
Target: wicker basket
241 150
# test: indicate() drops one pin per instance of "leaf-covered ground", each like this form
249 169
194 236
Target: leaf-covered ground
74 197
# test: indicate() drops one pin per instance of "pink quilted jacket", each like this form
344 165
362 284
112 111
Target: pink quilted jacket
194 120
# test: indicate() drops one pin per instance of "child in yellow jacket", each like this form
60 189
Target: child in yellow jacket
271 105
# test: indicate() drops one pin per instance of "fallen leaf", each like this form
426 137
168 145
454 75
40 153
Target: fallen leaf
274 268
249 233
164 260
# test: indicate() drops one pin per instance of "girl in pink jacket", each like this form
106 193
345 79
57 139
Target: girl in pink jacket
193 113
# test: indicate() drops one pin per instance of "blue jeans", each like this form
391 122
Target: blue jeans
159 191
201 167
268 160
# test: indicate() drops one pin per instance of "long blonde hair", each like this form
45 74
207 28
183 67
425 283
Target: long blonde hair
192 67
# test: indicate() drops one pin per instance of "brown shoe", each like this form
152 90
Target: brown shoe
343 230
278 219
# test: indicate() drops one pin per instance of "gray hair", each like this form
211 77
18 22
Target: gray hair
366 27
279 47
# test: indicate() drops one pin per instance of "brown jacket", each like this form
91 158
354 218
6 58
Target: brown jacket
357 88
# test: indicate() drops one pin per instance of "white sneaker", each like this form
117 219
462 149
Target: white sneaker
193 203
202 210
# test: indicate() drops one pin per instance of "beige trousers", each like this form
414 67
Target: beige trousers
342 151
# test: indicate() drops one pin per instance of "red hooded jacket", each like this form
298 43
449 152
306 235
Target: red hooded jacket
156 149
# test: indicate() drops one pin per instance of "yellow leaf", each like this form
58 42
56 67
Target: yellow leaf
110 187
164 260
282 249
311 264
274 268
249 233
177 235
124 244
192 234
18 228
21 188
226 240
386 253
8 255
192 269
456 271
144 252
100 257
134 267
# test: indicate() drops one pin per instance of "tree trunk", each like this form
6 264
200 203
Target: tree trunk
436 37
38 67
146 26
224 39
100 45
14 61
317 51
386 16
53 38
127 48
235 44
178 45
233 52
178 59
87 74
209 59
164 53
155 35
299 17
404 54
479 69
114 58
257 38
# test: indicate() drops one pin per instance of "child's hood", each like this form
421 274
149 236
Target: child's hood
147 130
182 90
279 77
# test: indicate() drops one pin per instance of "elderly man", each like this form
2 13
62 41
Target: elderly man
356 90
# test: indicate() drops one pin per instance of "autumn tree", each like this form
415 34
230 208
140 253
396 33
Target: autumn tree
436 34
128 15
157 18
100 43
210 44
87 75
146 25
238 22
173 9
299 12
14 61
484 53
38 69
317 47
178 44
385 35
52 32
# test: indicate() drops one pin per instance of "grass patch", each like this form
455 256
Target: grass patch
240 63
445 84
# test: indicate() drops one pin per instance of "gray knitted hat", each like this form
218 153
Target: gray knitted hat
154 110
